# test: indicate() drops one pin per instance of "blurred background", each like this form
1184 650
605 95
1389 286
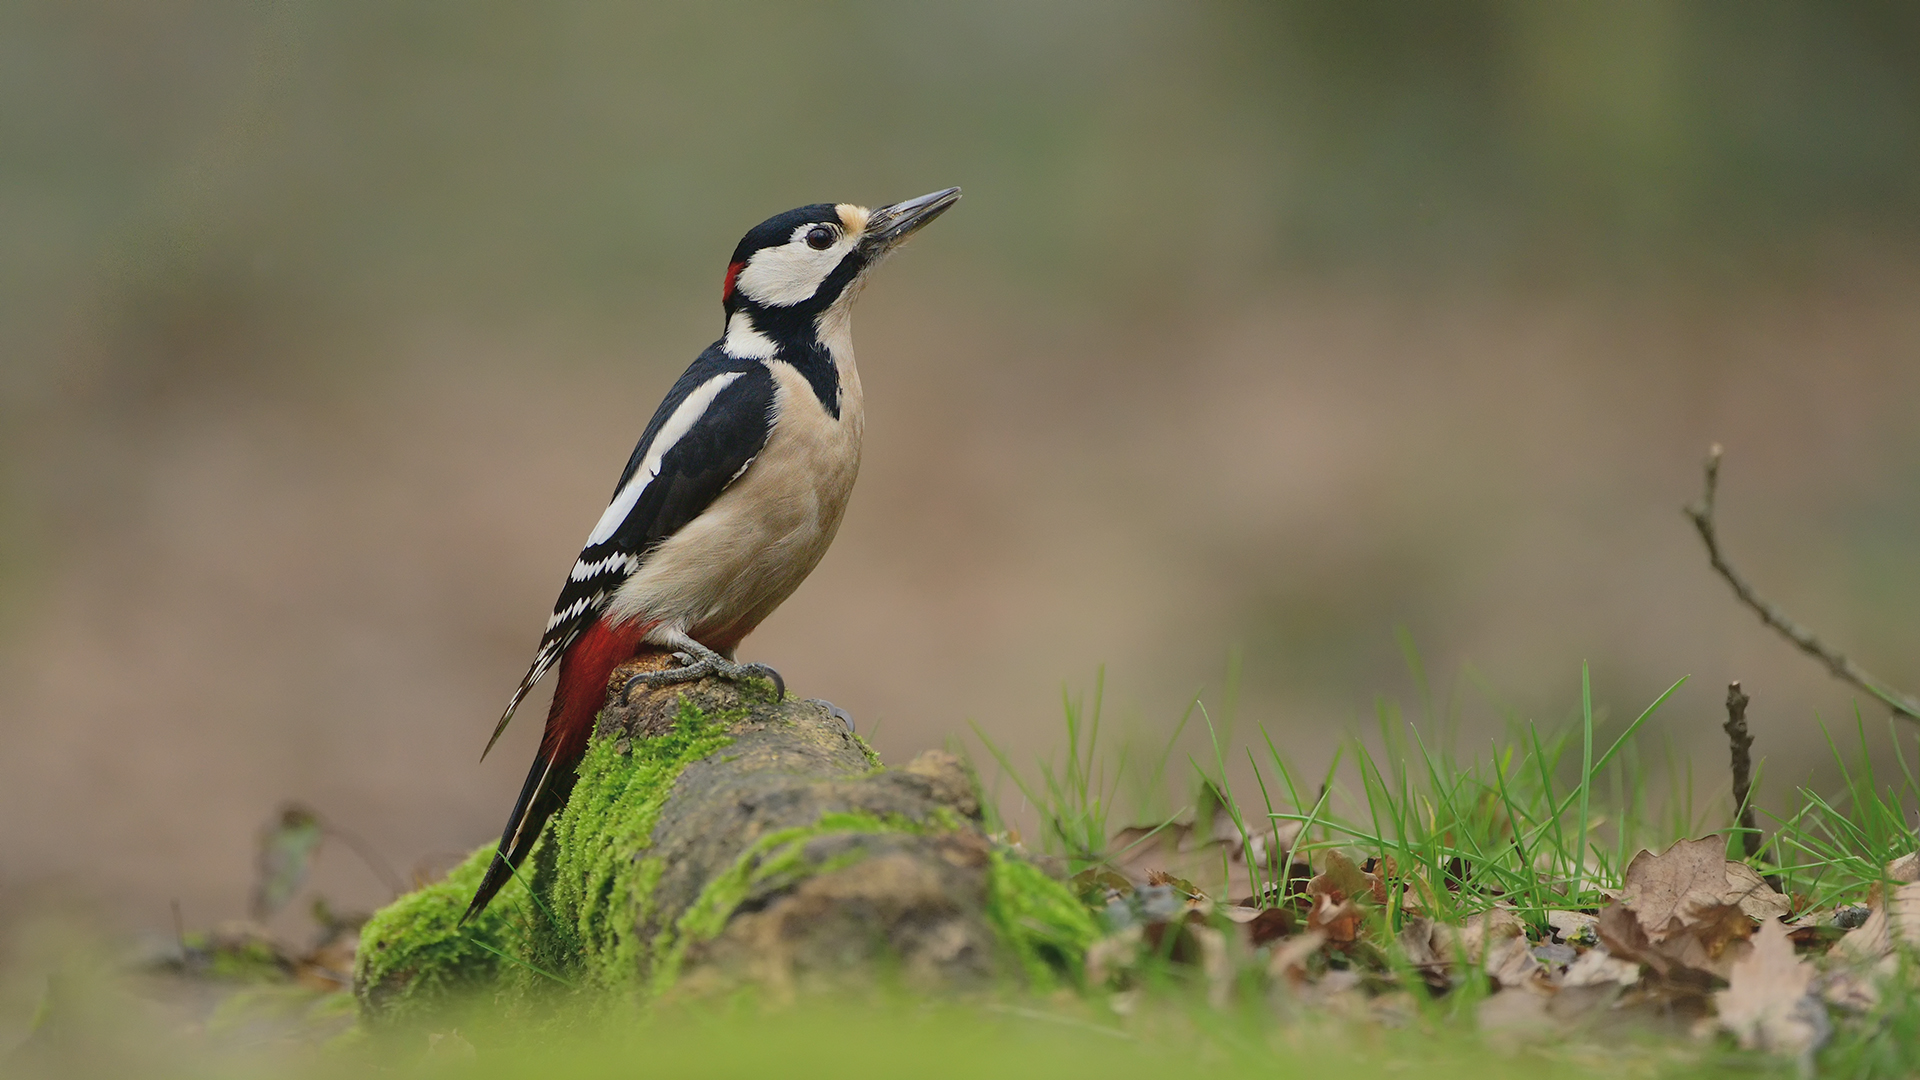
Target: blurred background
1277 330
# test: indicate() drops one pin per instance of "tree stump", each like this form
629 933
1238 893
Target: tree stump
717 838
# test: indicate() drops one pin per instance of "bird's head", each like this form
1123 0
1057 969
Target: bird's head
794 268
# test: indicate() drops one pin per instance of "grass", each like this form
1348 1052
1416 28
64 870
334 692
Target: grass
1545 818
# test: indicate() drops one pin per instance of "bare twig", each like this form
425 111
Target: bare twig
1741 742
1904 705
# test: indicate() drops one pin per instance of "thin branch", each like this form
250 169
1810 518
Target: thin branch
1740 740
1701 513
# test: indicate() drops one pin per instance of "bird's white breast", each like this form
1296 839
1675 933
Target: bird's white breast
732 565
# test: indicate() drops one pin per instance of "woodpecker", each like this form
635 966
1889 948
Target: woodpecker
730 497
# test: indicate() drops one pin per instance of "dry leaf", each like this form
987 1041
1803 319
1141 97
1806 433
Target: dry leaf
1849 991
1424 943
1904 869
1434 947
1694 875
1755 897
1867 942
1898 914
1112 954
1342 880
1263 924
1512 963
1338 920
1289 960
1766 1004
1489 928
1597 967
1215 964
1573 926
1695 952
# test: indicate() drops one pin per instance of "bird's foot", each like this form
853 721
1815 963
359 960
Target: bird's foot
697 662
833 710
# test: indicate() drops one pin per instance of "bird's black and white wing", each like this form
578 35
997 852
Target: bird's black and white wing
704 435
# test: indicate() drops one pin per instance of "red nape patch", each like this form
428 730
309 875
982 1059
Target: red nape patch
582 688
726 287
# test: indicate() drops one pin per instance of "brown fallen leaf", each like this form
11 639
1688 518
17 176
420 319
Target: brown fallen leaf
1215 964
1337 895
1423 942
1342 880
1487 929
1339 920
1289 959
1851 991
1694 875
1893 919
1598 967
1904 869
1435 948
1513 965
1694 952
1113 954
1262 924
1573 927
1767 1005
1755 897
1097 885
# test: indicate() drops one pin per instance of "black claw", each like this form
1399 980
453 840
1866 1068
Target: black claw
779 684
833 710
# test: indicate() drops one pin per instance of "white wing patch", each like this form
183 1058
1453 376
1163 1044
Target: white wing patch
671 432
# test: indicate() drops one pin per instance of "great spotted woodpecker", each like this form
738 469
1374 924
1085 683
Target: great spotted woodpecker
729 499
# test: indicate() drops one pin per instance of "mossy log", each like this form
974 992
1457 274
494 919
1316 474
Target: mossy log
717 838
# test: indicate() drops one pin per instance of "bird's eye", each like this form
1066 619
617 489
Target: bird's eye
820 238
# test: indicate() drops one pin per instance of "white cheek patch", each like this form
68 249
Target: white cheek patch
785 275
675 429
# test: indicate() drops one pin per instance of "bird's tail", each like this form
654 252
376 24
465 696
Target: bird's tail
539 798
582 689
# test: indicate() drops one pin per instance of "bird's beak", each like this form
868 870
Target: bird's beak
889 225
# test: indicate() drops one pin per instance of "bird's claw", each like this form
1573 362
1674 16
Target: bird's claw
699 667
761 671
833 710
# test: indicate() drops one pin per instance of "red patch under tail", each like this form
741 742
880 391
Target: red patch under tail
582 687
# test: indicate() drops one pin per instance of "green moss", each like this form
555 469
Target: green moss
593 881
774 861
873 758
414 954
247 961
595 878
1040 918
